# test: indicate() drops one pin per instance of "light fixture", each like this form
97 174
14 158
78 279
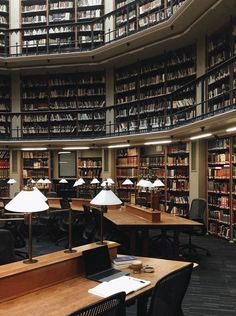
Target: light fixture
201 136
11 181
63 181
79 182
141 182
32 181
108 182
118 146
155 200
40 181
28 201
127 182
76 148
231 129
64 152
34 149
158 142
95 181
104 198
47 181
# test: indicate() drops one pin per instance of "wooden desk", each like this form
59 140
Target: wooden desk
54 202
131 223
71 293
77 203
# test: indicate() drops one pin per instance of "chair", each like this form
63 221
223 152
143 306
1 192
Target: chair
8 253
196 212
169 292
113 305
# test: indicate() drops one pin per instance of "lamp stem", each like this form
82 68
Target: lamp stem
70 250
103 209
30 259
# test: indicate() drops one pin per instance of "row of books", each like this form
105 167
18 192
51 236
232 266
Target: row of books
217 157
178 185
35 154
178 172
128 161
219 230
177 160
90 173
89 163
127 172
219 201
220 216
220 187
4 173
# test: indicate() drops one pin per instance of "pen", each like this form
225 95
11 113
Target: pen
140 281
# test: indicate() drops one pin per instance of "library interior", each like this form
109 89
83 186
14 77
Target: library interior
118 137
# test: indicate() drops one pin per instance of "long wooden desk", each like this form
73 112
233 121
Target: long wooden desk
130 223
59 286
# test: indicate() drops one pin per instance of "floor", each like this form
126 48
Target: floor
212 291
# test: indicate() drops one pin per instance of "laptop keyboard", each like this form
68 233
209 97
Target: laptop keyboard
107 273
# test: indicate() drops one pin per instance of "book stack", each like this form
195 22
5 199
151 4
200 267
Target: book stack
123 261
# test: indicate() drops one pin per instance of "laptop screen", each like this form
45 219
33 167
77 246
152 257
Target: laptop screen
96 260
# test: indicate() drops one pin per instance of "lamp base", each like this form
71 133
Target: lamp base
101 242
29 261
70 250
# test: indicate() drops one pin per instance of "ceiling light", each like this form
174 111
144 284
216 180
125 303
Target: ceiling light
158 142
200 136
64 152
118 146
76 148
231 129
33 148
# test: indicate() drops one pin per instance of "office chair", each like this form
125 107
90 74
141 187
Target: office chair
169 292
113 305
8 252
196 212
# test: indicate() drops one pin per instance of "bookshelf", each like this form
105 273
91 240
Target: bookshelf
57 97
36 165
4 172
126 18
89 168
219 187
127 166
233 198
142 91
153 166
47 25
177 177
5 106
4 24
90 34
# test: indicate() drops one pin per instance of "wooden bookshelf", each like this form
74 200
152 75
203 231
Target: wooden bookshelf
142 91
5 106
89 168
60 95
49 25
4 172
177 177
219 187
36 165
127 166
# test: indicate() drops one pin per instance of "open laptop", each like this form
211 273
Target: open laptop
97 264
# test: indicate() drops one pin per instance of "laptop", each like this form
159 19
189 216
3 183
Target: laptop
98 266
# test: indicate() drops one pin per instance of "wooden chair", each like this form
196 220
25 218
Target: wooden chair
113 305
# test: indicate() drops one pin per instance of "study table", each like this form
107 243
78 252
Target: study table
129 222
56 285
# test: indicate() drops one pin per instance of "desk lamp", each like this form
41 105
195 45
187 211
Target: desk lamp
104 198
157 184
94 183
128 183
147 185
78 183
28 201
107 182
63 181
11 181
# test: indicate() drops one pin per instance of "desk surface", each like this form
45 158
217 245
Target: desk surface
65 297
121 217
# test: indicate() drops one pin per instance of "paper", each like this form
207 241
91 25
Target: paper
125 284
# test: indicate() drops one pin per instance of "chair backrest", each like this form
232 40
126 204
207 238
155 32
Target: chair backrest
197 209
7 254
51 194
113 305
169 292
